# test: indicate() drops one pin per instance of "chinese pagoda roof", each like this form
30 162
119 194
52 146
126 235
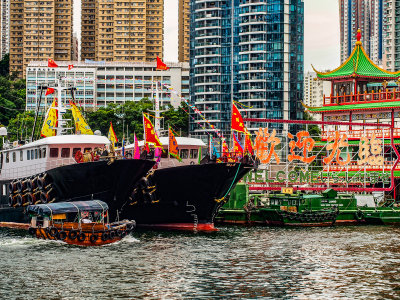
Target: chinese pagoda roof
358 106
358 65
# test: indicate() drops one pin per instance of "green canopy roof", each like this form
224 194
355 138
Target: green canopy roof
358 65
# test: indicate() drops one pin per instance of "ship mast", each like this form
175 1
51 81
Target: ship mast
157 121
61 109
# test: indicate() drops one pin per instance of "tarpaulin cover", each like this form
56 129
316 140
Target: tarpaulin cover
67 207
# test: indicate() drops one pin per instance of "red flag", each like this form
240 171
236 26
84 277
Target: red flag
149 132
237 120
51 63
49 91
248 145
237 148
225 149
70 67
161 65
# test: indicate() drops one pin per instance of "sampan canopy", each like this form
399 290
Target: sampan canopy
67 207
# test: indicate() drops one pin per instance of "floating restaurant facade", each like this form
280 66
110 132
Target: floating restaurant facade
361 93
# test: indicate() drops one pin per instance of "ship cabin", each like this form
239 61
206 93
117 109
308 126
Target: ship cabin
190 151
44 154
361 93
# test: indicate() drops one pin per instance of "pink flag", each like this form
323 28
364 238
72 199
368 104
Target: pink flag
157 154
136 150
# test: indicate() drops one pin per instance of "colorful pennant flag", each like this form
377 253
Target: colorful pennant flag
49 91
248 145
70 67
150 135
112 136
237 120
161 65
237 147
136 150
173 145
51 121
81 127
51 63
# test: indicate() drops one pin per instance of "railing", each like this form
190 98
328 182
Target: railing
354 166
388 95
357 134
29 168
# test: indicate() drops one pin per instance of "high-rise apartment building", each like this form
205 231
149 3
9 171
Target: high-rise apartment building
392 40
314 91
250 52
369 16
122 30
184 30
38 31
4 27
88 29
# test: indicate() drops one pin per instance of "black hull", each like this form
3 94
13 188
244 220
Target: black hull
186 197
84 181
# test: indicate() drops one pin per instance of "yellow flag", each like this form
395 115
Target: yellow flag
51 121
111 135
81 127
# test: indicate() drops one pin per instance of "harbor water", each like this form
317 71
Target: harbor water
236 262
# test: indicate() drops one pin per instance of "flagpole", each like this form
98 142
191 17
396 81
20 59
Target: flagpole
169 138
144 132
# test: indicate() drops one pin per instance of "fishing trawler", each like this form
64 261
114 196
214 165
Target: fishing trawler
63 167
185 191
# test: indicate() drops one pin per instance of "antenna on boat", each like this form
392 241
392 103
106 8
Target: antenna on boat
41 88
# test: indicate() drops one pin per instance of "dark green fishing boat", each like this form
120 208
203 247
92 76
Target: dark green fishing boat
301 209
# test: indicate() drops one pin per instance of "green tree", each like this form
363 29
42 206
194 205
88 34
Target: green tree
313 129
21 126
5 65
129 116
178 119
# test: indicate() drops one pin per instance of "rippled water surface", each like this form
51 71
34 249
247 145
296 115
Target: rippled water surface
236 262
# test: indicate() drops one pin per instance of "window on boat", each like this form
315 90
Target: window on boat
36 154
7 157
32 155
184 153
194 153
53 152
14 156
40 153
28 155
74 151
44 152
21 155
87 150
65 152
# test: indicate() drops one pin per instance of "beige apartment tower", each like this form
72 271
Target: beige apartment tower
122 30
184 30
39 30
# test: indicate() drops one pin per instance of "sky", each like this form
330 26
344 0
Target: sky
321 32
